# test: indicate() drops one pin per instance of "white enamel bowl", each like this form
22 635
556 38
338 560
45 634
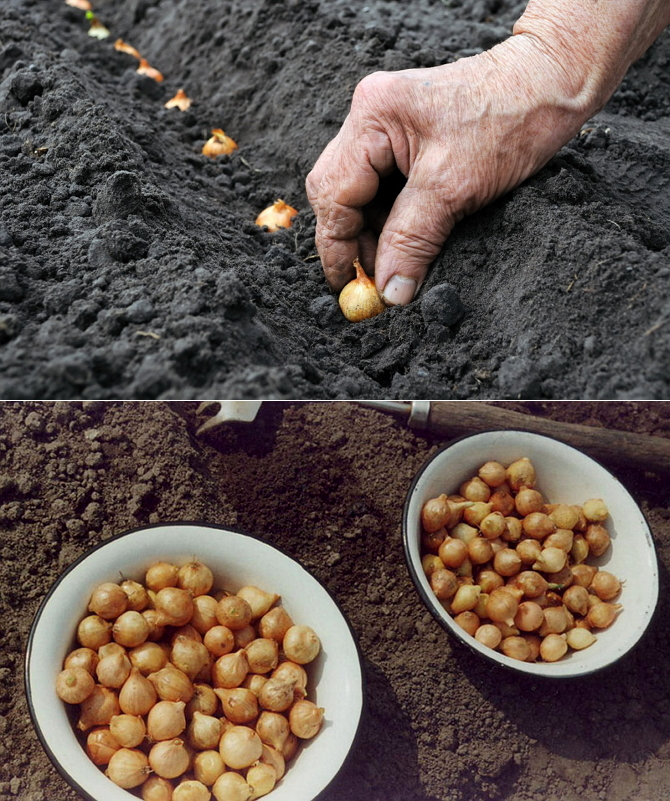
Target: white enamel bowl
565 475
236 559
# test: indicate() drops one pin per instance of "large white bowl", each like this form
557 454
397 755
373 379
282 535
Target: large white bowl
564 475
236 559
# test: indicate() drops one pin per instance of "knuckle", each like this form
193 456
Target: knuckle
371 88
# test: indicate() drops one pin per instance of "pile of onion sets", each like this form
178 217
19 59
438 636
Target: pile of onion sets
187 693
514 570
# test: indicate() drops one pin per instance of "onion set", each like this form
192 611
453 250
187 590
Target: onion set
218 144
278 215
359 299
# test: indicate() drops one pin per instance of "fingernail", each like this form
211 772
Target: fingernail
399 291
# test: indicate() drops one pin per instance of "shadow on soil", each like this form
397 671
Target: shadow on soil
365 776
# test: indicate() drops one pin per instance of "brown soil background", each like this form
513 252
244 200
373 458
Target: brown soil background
326 484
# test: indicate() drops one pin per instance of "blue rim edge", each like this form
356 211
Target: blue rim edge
26 674
425 597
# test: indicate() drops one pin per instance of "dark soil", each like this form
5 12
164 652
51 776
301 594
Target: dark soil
326 483
130 265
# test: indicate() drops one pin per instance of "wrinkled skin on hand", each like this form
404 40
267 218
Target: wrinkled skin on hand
461 134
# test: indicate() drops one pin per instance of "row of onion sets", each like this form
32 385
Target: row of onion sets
279 214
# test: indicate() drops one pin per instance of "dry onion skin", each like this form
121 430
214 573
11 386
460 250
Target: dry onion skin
151 72
515 573
163 713
278 215
124 47
218 144
359 299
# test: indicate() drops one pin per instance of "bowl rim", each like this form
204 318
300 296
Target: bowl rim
494 656
200 523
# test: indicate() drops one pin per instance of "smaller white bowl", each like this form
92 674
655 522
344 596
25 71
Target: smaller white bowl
564 475
236 559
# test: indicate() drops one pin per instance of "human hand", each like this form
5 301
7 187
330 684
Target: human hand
462 134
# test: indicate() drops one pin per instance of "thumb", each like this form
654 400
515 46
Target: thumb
420 221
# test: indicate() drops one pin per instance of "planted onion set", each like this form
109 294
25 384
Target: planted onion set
188 693
278 215
359 299
516 571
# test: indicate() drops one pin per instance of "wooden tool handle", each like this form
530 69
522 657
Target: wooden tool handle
639 451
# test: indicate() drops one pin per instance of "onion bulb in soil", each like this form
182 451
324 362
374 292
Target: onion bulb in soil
278 215
181 101
359 300
218 144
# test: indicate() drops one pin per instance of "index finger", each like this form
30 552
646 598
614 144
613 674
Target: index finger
344 180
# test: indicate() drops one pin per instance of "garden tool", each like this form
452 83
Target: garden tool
451 419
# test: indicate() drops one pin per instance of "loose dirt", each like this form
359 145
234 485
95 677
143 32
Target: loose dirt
130 265
326 483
